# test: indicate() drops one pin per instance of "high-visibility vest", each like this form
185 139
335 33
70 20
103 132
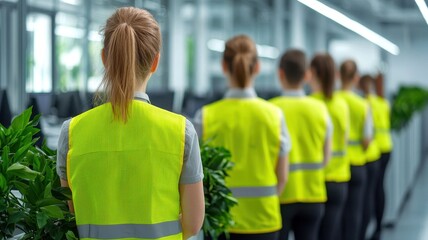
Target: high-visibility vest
358 109
338 168
124 177
373 151
307 124
382 126
250 128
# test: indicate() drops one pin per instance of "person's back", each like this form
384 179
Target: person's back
302 202
134 170
253 140
360 135
255 133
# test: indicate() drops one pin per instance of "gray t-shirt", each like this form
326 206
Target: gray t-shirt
192 166
285 145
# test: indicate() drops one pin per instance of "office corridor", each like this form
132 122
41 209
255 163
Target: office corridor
413 222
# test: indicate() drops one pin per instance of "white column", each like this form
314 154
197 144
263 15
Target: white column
177 52
279 37
298 25
321 34
202 80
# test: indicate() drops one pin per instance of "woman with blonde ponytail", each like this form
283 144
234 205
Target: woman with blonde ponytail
134 169
255 133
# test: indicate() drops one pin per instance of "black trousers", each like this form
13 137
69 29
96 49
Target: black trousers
261 236
330 228
380 194
353 212
369 197
303 219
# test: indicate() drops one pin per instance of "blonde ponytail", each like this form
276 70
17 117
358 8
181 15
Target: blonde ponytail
132 40
121 70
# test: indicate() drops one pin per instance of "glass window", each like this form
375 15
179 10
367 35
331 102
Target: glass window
45 4
70 33
39 55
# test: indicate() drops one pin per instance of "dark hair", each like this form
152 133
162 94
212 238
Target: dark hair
348 70
366 83
379 85
323 67
293 63
132 39
240 56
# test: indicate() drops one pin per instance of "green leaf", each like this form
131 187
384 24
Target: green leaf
21 152
22 171
42 219
20 186
3 184
62 193
16 217
53 211
22 120
48 201
5 158
70 236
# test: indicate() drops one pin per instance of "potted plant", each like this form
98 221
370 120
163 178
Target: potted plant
32 202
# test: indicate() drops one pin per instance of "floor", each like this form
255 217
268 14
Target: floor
413 222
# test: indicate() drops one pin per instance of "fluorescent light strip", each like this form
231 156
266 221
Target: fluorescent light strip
352 25
264 51
423 7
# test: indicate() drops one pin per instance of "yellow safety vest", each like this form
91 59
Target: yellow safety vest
373 151
307 124
382 126
358 109
125 177
250 129
338 168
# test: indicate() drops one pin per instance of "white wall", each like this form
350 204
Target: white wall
411 66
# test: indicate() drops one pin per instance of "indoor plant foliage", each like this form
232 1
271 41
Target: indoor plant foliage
406 102
218 198
32 200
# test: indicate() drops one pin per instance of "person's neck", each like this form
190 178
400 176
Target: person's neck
347 87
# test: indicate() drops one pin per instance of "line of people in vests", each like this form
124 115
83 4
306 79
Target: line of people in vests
311 165
308 164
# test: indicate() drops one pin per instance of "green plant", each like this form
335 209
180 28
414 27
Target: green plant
406 102
32 199
218 197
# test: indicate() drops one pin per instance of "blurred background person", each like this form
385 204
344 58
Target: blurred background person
302 202
372 154
255 133
337 171
360 135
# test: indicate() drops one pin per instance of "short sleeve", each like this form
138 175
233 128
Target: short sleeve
197 122
192 165
61 164
285 145
330 128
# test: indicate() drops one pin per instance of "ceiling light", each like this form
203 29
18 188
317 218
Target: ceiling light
264 51
423 7
352 25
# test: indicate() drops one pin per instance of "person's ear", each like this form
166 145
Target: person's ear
155 63
281 74
308 75
103 57
256 69
224 68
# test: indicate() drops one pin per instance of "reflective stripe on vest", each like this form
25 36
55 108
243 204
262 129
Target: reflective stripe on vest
129 230
240 192
307 126
250 128
354 142
305 166
338 153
